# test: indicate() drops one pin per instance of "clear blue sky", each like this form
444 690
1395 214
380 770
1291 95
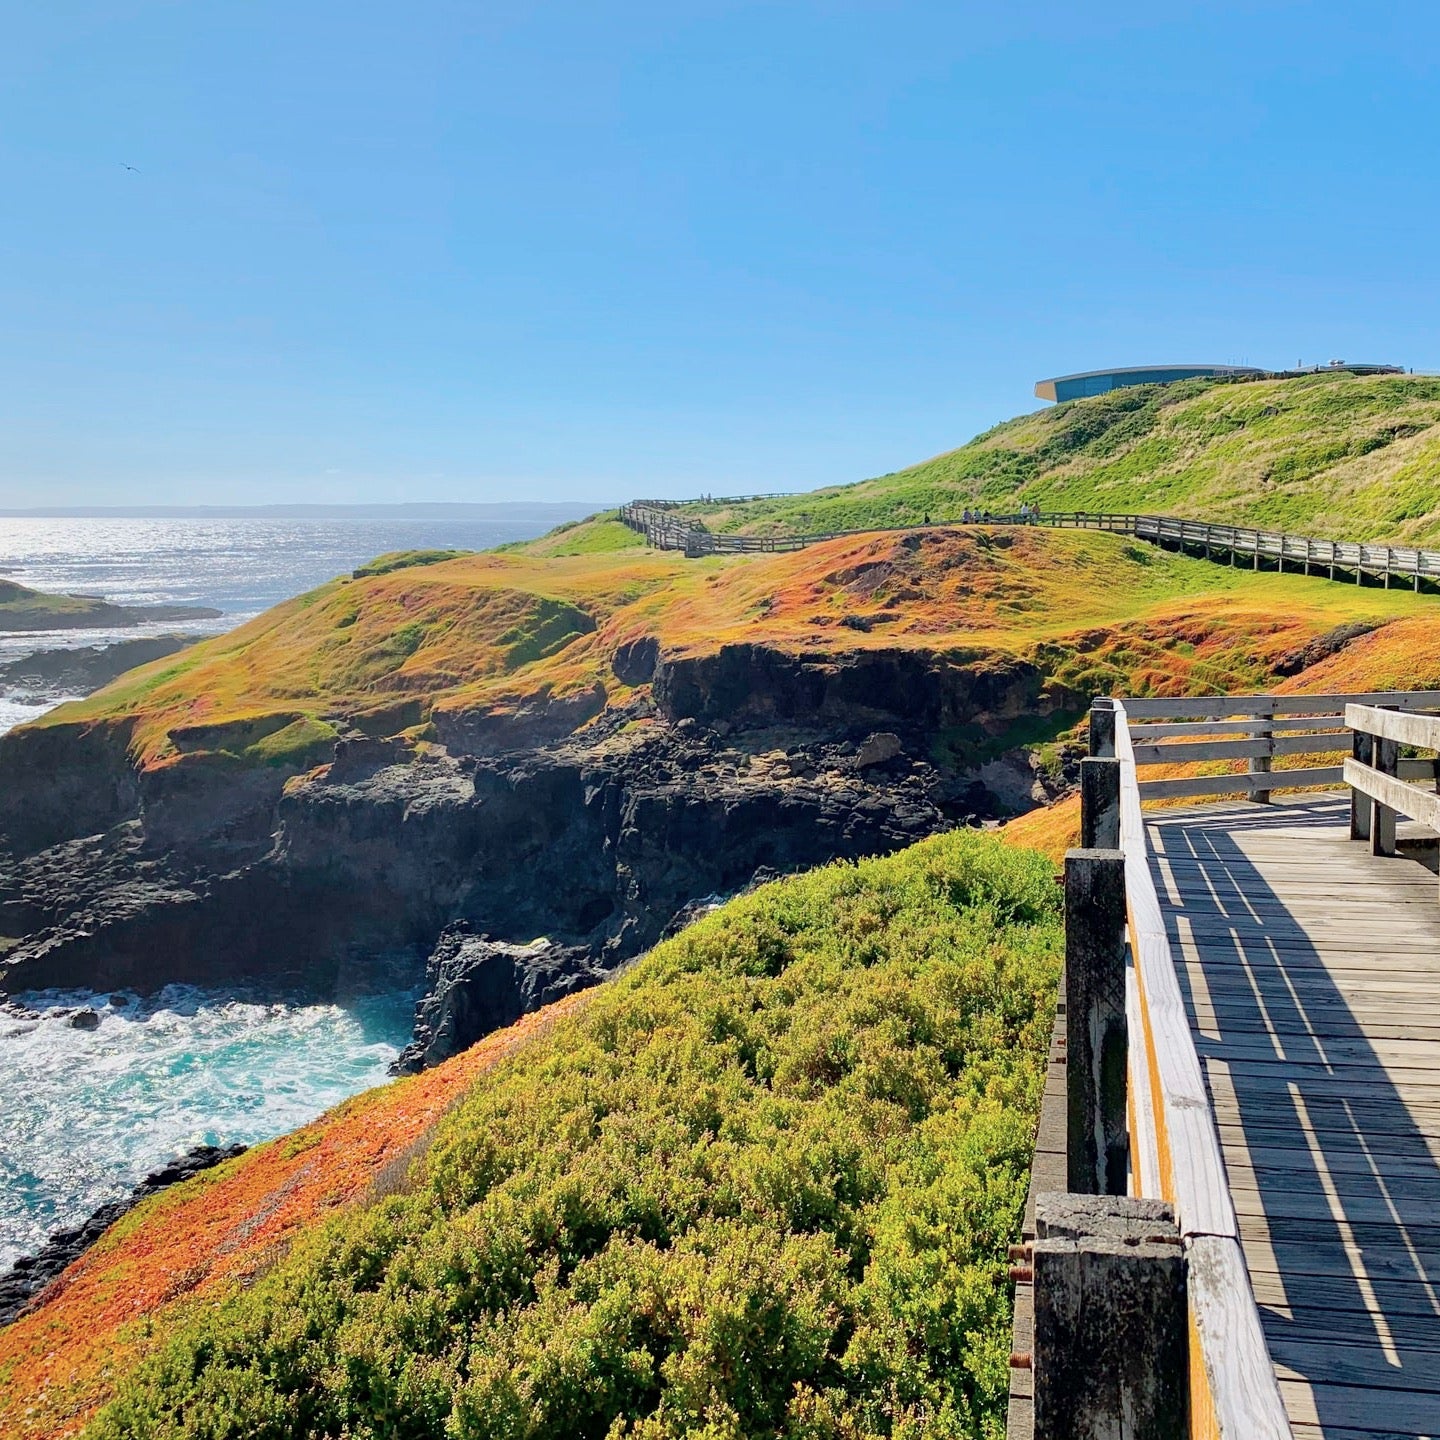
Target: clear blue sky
495 250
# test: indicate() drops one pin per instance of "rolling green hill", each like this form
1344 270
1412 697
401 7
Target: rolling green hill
1334 456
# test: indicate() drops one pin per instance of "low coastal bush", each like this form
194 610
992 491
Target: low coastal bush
761 1185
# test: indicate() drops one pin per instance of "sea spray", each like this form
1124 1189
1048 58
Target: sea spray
89 1111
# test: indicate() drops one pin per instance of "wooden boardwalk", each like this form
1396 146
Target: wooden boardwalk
1311 974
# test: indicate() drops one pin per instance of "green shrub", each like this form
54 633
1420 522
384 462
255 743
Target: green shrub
762 1185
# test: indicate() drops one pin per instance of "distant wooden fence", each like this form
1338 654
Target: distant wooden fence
663 527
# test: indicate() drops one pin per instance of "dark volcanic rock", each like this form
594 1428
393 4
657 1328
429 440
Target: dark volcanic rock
635 661
594 845
475 985
901 690
1332 642
32 1273
746 761
88 667
540 721
58 782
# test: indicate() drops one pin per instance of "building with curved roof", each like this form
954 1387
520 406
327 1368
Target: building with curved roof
1097 382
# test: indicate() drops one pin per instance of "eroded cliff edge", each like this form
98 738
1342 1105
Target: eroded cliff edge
718 768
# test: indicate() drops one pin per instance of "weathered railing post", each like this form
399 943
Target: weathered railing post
1362 749
1111 1327
1263 729
1097 1142
1100 802
1102 728
1382 817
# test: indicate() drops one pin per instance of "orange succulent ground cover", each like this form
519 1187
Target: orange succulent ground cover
1052 829
192 1244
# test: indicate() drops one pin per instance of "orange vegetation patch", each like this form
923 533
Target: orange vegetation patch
1052 830
195 1242
487 633
1404 655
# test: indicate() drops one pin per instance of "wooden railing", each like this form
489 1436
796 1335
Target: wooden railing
658 521
1139 1126
1382 783
1175 1149
1193 730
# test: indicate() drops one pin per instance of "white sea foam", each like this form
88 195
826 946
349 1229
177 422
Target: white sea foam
87 1113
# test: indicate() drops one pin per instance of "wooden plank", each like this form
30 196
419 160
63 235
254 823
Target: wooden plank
1413 1158
1405 1331
1358 1365
1422 731
1198 869
1399 1414
1332 1432
1241 783
1314 1260
1144 1145
1377 1018
1190 752
1332 1294
1165 729
1401 795
1340 1053
1243 1385
1225 706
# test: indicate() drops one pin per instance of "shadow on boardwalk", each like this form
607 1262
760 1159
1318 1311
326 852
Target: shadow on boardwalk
1316 1012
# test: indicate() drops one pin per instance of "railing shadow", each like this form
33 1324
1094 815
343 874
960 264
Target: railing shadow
1330 1165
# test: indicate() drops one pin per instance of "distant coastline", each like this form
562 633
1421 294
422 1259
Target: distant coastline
554 512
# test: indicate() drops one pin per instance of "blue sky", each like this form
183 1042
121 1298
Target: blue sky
493 251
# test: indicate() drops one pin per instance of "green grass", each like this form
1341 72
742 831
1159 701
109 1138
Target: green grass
304 742
405 560
601 534
18 603
1336 456
761 1186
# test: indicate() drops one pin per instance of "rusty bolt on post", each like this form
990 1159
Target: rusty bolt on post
1023 1252
1020 1360
1022 1274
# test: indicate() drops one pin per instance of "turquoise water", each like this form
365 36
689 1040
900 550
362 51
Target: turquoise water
88 1113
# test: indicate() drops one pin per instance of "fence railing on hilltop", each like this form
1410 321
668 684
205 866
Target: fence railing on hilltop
662 527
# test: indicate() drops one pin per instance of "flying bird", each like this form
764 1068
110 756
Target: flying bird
131 167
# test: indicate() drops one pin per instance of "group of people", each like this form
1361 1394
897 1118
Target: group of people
1029 515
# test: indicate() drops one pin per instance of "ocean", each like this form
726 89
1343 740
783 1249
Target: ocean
239 567
89 1112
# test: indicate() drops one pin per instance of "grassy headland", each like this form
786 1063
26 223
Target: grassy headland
1336 456
25 610
388 652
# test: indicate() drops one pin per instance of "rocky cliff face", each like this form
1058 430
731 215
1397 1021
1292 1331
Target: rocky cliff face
747 761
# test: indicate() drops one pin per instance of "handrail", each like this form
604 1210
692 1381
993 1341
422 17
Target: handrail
1276 725
656 520
1176 1156
1379 790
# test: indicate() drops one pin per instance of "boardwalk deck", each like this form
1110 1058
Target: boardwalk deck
1311 972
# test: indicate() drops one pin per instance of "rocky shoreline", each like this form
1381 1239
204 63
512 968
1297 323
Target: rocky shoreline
29 1275
86 667
506 874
